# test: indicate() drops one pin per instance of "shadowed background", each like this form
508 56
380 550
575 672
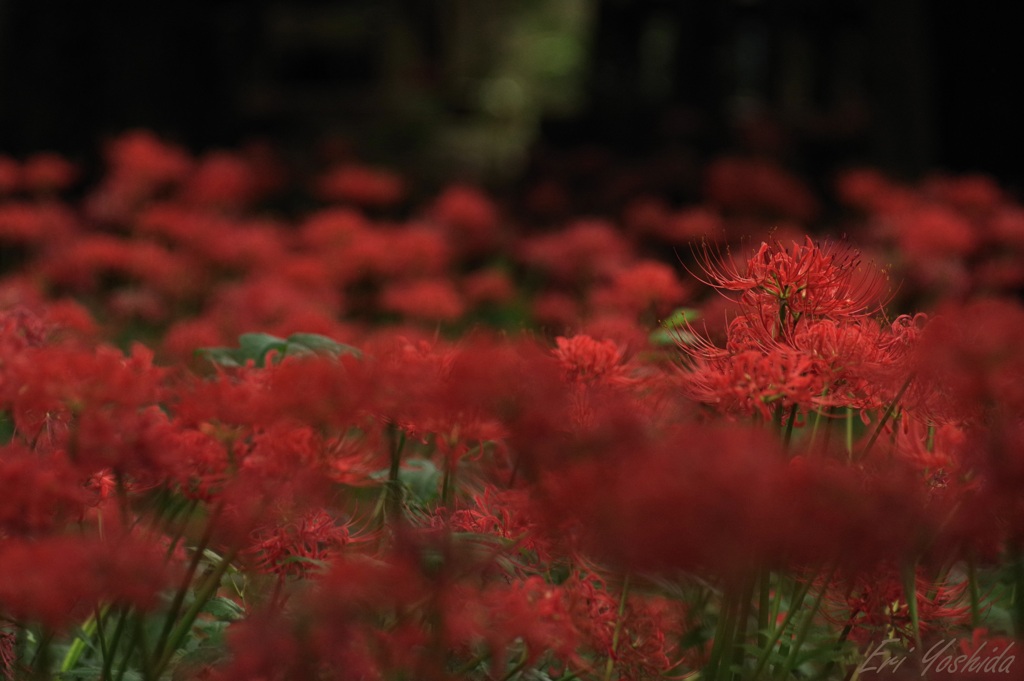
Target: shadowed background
487 89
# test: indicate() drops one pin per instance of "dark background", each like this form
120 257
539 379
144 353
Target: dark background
908 85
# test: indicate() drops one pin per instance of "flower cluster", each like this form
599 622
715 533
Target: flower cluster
385 438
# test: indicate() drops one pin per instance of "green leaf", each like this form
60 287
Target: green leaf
224 609
256 346
6 428
321 345
422 478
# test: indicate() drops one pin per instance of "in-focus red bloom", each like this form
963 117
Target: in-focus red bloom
755 382
806 280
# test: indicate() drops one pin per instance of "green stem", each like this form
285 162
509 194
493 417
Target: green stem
794 607
447 483
889 409
789 427
815 426
190 573
115 640
610 664
975 593
910 593
1018 592
203 595
469 666
719 667
849 433
763 608
805 627
518 667
742 623
394 507
75 650
838 649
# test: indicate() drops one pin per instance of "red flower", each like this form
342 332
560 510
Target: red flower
58 581
41 491
584 359
803 281
874 605
429 300
45 172
300 547
470 218
361 185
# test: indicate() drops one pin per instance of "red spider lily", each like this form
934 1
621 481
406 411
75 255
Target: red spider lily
58 580
83 265
644 287
108 423
971 194
361 185
968 360
759 186
46 172
578 253
10 175
141 167
470 217
263 648
36 225
331 228
430 300
929 231
677 502
147 160
806 281
298 548
556 311
42 492
530 611
8 657
507 514
754 382
488 287
584 360
221 180
639 637
875 607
